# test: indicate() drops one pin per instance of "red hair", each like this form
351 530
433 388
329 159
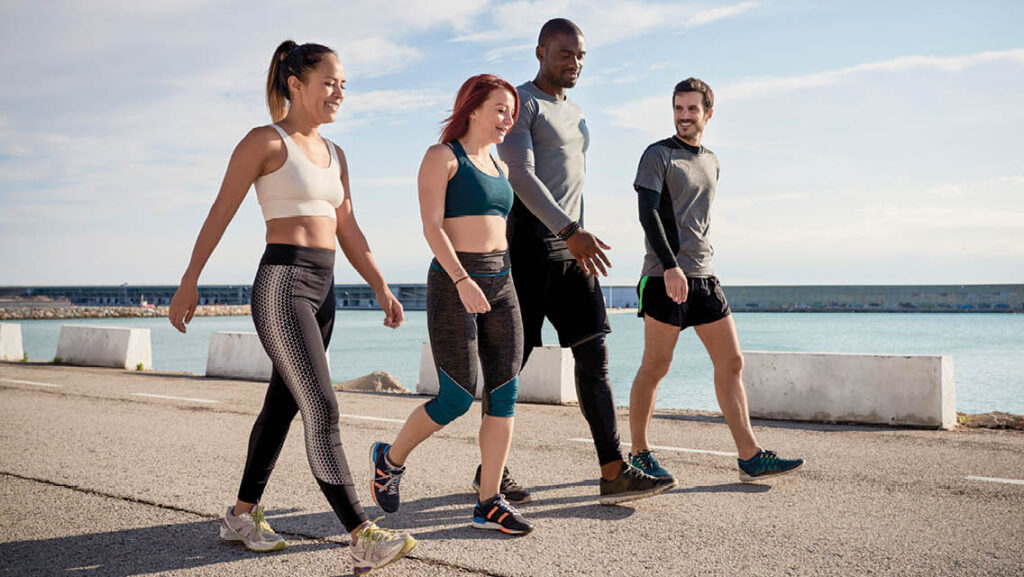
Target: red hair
470 98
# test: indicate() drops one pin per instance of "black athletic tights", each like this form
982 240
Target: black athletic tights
293 310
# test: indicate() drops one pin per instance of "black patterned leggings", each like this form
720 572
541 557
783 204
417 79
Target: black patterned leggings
293 310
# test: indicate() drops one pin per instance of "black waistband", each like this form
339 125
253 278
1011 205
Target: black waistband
495 263
291 255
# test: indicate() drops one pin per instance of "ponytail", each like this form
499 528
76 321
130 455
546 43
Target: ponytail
290 59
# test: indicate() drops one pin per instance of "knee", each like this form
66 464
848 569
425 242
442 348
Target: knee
501 402
451 402
655 367
731 365
591 357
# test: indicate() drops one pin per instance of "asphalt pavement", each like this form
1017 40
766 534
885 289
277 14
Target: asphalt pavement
111 472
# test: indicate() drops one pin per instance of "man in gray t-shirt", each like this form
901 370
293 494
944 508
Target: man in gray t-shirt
555 261
675 185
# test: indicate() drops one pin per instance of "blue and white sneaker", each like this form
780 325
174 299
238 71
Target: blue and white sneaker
766 464
645 461
386 479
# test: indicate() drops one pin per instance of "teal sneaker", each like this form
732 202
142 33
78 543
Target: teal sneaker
645 461
766 464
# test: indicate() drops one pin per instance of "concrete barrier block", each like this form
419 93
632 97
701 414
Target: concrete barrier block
548 376
915 390
119 347
235 355
11 348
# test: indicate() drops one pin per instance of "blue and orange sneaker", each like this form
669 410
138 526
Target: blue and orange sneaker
645 461
766 464
497 514
386 479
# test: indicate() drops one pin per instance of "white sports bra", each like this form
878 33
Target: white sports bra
299 187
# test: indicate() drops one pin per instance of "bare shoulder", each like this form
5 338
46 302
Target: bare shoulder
439 153
261 141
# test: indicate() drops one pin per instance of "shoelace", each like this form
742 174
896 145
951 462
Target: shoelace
503 505
374 534
635 472
507 482
647 459
259 522
391 485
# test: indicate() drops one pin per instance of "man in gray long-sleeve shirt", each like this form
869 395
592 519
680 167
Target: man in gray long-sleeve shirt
555 261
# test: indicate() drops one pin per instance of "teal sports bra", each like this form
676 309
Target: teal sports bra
473 192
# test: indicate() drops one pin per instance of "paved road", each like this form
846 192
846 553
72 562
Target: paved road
102 474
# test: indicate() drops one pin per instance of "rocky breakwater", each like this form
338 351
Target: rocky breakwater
73 312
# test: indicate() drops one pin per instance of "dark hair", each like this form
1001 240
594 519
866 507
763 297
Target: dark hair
557 26
290 59
695 85
471 97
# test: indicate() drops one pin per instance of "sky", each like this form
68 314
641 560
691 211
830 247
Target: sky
860 142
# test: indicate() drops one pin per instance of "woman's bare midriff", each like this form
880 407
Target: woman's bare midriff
308 231
480 233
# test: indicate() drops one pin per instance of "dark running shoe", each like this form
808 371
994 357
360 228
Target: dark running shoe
645 461
514 492
386 479
632 484
497 514
766 464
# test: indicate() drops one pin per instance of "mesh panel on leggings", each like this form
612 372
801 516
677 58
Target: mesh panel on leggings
274 315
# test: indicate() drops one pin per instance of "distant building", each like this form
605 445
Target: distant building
1004 298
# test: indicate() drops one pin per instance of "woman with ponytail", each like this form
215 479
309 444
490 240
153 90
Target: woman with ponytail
302 185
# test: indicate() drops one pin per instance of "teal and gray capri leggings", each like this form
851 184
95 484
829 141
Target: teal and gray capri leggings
463 342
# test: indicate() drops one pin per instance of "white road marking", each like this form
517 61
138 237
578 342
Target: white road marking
189 399
382 419
676 449
32 383
995 480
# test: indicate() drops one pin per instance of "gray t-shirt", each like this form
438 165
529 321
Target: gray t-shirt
546 166
686 177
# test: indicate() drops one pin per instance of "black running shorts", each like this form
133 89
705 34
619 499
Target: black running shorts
559 290
705 302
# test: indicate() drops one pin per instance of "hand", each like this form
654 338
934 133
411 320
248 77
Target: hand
183 305
676 286
587 249
394 313
472 297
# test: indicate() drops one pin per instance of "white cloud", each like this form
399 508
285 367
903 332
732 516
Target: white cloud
652 115
755 88
602 22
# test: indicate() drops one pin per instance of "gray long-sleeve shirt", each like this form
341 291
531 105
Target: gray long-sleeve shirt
545 153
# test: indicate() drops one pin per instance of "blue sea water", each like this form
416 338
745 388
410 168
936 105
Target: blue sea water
987 349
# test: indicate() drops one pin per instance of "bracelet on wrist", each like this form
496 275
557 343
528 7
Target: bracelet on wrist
570 230
461 279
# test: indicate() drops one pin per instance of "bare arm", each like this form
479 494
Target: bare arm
438 166
357 251
245 166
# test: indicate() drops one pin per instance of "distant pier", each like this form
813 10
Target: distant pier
990 298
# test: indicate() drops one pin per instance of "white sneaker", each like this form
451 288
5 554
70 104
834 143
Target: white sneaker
376 547
251 529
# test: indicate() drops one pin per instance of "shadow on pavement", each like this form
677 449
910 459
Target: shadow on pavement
134 551
724 488
795 425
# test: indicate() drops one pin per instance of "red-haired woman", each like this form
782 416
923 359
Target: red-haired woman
472 309
301 181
